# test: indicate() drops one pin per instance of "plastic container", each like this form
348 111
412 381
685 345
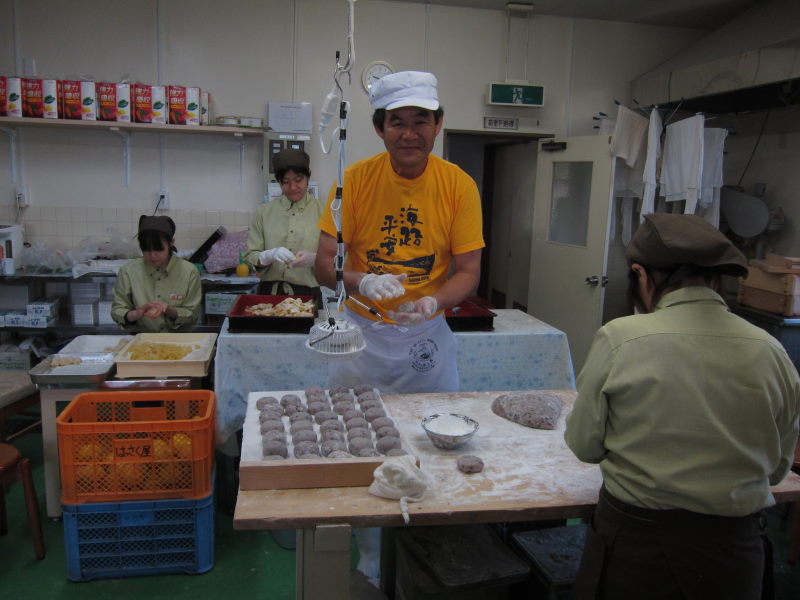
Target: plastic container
555 555
126 539
136 445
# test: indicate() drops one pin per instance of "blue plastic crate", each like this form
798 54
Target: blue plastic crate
125 539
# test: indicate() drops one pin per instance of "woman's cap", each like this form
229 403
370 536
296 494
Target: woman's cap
406 88
667 241
162 224
291 159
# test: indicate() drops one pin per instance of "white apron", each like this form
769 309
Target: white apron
401 360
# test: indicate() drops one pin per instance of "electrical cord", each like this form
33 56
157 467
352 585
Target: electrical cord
755 147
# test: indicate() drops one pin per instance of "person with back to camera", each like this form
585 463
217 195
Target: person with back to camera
282 243
691 413
407 216
159 292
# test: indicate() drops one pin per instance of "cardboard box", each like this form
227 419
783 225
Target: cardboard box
46 307
142 96
71 99
780 304
219 303
16 318
13 104
51 90
32 97
38 321
88 101
3 95
160 108
184 105
778 283
12 358
205 107
114 101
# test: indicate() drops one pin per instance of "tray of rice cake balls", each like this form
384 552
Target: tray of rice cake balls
316 438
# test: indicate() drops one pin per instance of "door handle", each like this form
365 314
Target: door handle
593 280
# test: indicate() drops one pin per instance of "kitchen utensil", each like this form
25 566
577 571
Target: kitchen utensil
449 431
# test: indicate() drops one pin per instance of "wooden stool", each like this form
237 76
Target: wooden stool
15 468
17 395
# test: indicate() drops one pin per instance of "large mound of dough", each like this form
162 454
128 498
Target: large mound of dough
539 410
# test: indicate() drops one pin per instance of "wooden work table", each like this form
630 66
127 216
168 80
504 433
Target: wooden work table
529 475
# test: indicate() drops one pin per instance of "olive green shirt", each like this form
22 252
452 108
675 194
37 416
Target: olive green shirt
687 407
292 225
178 285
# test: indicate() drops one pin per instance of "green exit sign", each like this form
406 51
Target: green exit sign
516 94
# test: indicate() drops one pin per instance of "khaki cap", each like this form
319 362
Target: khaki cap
163 224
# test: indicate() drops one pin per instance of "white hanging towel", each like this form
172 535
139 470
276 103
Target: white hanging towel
713 153
650 175
629 130
682 168
627 185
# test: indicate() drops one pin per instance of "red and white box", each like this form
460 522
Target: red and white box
205 107
32 97
142 96
184 105
13 96
3 95
51 100
159 104
88 101
71 99
114 101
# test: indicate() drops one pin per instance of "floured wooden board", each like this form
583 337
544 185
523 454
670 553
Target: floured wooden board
258 473
199 349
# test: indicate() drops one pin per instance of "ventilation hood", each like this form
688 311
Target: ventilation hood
751 63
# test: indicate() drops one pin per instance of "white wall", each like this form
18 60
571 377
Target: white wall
248 53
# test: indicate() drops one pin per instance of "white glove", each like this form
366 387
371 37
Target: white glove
281 254
415 313
378 287
303 259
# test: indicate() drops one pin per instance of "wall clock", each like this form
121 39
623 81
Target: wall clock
374 71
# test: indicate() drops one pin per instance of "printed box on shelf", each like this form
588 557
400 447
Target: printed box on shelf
142 97
84 313
71 99
32 97
159 105
114 101
3 95
13 97
39 321
15 318
184 105
124 539
46 307
104 312
12 358
143 445
84 292
88 101
51 98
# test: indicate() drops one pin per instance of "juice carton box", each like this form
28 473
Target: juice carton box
3 95
71 99
13 102
114 101
142 96
51 89
184 105
88 101
159 104
32 97
205 107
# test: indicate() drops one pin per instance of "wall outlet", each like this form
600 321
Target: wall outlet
162 201
22 197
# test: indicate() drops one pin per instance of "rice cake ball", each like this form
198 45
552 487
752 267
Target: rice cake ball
359 443
387 443
273 457
290 399
332 445
273 436
333 434
352 414
374 413
265 401
343 397
300 426
396 452
317 407
308 456
368 452
326 415
300 416
469 463
357 422
340 454
358 432
272 425
331 425
382 422
343 406
368 397
387 432
301 448
304 435
293 409
338 390
362 388
367 404
274 448
270 414
314 390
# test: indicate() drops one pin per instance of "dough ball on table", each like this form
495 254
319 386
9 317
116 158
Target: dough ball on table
290 399
374 413
274 436
270 414
539 410
333 434
343 406
273 457
293 409
331 425
387 443
359 444
338 390
274 448
340 454
318 407
356 423
368 452
352 414
308 456
343 397
300 426
301 448
387 432
358 432
272 425
326 415
467 463
368 397
331 446
314 390
363 387
382 422
396 452
300 416
265 401
306 435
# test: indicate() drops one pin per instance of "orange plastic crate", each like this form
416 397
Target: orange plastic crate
146 445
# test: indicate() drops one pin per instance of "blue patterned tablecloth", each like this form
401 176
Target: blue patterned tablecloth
521 353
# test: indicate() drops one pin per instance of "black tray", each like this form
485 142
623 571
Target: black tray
241 322
469 316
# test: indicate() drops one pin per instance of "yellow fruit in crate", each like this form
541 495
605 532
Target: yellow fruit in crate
161 450
84 475
182 445
130 474
165 476
89 452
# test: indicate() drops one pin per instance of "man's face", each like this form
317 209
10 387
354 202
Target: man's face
408 134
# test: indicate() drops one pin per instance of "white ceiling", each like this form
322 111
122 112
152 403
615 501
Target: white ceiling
695 14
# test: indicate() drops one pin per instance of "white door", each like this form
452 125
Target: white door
569 251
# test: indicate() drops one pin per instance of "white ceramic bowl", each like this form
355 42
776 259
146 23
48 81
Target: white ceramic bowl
449 431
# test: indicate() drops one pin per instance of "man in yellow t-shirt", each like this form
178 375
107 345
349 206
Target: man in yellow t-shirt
408 220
